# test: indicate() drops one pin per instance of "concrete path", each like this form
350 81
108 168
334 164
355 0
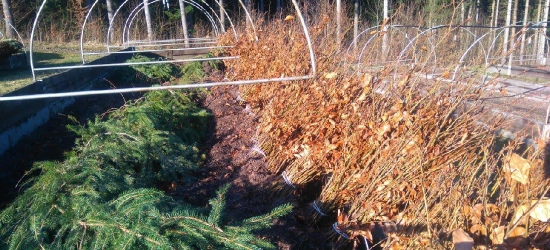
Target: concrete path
523 98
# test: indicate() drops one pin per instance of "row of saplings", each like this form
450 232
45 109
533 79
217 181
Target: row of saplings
105 194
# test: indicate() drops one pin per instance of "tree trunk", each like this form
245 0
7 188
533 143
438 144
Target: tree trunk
513 37
279 2
493 12
184 23
522 46
110 11
148 20
355 23
385 30
88 7
537 33
222 14
507 31
248 8
338 19
496 13
8 16
262 6
478 4
470 12
542 42
464 14
431 7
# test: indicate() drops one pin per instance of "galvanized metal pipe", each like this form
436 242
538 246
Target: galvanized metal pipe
85 66
153 88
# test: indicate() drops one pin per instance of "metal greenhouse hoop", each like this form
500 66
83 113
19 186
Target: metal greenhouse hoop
141 6
133 14
83 65
302 23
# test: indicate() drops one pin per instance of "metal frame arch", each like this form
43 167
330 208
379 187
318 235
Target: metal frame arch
141 6
312 74
82 31
115 15
356 39
492 44
460 28
134 15
363 49
228 18
386 29
31 43
409 45
249 18
377 26
487 55
111 25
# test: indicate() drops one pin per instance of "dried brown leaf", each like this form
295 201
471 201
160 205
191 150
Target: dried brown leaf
518 167
541 210
497 236
330 75
462 240
478 228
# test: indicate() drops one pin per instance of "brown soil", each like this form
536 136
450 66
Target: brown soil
232 160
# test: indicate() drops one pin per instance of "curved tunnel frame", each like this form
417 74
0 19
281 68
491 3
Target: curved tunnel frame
302 24
127 24
488 50
140 7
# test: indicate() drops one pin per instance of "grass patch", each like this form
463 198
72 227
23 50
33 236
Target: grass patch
48 55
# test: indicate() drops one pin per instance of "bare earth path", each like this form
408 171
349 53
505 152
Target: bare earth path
232 160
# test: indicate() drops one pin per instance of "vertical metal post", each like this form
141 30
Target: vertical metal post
111 26
82 31
31 45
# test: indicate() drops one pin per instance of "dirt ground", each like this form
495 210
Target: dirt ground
231 159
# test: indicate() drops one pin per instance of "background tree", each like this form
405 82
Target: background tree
8 16
355 22
338 20
184 23
222 14
523 33
385 29
507 31
148 20
542 37
110 10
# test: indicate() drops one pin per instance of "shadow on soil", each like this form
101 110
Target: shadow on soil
231 159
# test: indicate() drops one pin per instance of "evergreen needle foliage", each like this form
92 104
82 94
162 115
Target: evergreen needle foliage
103 195
162 72
9 47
